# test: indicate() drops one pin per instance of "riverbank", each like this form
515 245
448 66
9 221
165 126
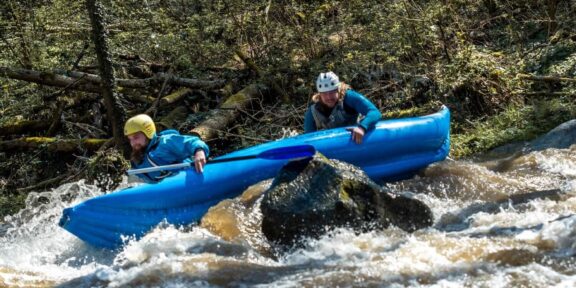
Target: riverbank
246 73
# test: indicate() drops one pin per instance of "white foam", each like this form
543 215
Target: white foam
560 234
554 161
35 249
36 244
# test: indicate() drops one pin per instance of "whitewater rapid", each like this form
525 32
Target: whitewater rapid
492 229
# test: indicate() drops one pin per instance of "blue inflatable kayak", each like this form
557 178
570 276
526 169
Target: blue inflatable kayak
395 149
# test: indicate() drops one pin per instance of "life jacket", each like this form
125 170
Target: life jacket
339 117
149 160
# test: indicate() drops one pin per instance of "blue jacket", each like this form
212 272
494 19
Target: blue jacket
168 147
354 103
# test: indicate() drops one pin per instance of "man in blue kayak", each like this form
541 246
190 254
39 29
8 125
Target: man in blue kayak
337 105
151 149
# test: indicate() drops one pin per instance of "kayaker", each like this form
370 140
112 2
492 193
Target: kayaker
150 149
337 105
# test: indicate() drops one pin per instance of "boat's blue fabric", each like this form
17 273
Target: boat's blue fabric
395 149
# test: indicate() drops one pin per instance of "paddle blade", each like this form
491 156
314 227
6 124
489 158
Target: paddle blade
300 151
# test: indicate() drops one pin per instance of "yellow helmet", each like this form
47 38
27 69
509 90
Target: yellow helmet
140 123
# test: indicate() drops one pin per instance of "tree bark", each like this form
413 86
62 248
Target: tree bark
228 112
546 78
187 82
552 6
50 79
91 83
175 97
56 120
115 110
52 144
168 100
175 117
260 73
24 127
30 126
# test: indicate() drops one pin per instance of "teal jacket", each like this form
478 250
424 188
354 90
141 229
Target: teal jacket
355 104
168 147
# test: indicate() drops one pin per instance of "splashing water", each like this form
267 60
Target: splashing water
511 226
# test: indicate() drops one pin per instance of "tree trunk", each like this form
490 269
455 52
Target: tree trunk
173 119
50 79
24 127
552 23
91 83
52 144
261 74
31 126
168 100
115 110
228 112
546 78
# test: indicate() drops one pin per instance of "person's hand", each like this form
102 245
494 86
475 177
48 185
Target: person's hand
199 160
357 134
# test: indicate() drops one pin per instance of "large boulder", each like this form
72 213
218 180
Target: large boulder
311 196
561 137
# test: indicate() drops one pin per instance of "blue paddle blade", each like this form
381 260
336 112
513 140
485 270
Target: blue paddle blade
289 152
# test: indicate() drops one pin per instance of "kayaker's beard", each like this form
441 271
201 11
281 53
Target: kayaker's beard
137 155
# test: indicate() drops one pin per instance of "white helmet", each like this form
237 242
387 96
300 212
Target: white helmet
327 82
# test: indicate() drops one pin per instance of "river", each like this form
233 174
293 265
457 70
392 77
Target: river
483 236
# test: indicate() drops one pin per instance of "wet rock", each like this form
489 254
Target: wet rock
561 137
311 196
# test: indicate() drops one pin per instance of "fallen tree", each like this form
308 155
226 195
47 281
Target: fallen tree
172 119
168 99
51 144
546 78
229 111
24 126
49 79
260 73
90 82
21 127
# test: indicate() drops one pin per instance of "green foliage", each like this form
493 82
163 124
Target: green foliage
516 123
106 169
478 82
11 204
406 56
558 59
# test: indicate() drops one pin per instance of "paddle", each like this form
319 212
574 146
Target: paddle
282 153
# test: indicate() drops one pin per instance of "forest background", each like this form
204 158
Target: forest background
240 72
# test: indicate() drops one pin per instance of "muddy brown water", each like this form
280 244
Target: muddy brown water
501 223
